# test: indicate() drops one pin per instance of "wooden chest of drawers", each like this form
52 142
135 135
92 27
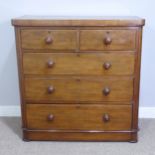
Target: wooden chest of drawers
79 78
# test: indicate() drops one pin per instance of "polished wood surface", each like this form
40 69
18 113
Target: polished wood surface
79 78
79 117
79 64
79 89
107 40
49 39
137 84
76 136
100 21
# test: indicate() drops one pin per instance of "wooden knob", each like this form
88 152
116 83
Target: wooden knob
107 40
50 89
106 118
106 91
50 64
50 117
107 65
48 40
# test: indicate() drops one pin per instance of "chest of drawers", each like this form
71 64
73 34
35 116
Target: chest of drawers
79 77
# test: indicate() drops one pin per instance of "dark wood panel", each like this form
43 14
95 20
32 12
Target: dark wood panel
137 83
20 74
65 136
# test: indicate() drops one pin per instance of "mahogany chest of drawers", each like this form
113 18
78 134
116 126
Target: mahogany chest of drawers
79 77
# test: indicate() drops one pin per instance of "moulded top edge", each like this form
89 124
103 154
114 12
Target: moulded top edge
78 21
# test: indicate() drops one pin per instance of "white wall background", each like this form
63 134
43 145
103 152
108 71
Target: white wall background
9 92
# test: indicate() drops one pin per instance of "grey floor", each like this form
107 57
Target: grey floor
11 143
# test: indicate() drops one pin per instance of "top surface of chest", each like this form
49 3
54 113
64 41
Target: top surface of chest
78 21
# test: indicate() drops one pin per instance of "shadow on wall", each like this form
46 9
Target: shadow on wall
9 87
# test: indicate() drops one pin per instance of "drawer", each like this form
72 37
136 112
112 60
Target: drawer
79 89
98 40
49 39
79 64
78 117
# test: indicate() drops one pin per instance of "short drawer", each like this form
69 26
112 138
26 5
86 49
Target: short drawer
79 89
49 39
78 117
99 40
79 64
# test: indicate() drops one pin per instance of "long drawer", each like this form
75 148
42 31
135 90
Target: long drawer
79 64
79 88
79 117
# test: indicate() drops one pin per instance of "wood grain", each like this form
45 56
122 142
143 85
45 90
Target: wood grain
137 85
79 64
79 117
95 40
79 78
19 54
77 136
102 21
61 39
79 89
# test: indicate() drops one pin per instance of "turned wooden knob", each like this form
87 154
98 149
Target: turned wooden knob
48 40
106 91
50 89
50 64
107 40
50 117
106 118
107 65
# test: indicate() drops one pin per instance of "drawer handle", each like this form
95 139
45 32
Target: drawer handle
50 89
50 64
106 118
107 65
107 40
106 91
48 40
50 117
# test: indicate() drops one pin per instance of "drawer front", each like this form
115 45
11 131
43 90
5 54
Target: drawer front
79 89
79 64
107 39
49 39
79 117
